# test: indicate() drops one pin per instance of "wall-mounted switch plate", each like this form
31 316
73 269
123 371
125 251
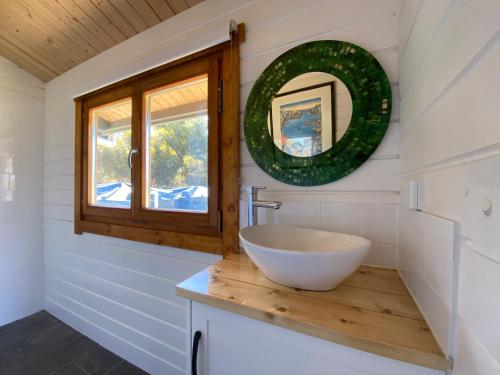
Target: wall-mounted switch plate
420 196
487 207
413 195
416 192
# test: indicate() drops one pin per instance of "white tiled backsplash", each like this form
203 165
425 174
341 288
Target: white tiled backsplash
375 221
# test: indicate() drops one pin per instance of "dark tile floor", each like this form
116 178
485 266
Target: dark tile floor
41 344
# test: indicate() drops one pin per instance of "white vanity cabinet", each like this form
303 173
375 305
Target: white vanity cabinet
233 344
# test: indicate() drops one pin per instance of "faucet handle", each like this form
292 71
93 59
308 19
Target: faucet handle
254 189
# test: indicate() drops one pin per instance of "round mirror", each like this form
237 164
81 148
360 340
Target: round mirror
317 112
309 114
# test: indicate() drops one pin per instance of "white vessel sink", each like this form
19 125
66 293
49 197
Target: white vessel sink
304 258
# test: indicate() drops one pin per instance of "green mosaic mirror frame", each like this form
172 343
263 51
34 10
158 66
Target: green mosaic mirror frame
371 96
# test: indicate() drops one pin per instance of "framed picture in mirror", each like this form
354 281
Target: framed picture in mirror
302 121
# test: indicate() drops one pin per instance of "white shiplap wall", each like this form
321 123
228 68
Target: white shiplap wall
21 252
121 293
450 137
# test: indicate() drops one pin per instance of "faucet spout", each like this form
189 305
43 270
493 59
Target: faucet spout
253 203
267 204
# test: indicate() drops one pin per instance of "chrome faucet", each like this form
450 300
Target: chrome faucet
253 203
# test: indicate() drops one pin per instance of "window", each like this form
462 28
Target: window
150 156
176 146
110 135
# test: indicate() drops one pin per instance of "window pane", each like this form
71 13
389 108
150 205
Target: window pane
176 172
111 132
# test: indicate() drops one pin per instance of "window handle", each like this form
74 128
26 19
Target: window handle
131 153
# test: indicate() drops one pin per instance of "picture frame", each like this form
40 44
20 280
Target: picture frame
302 121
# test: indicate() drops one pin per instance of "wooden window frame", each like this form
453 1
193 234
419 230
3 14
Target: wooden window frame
215 231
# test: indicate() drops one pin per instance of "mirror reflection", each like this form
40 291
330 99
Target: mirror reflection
309 114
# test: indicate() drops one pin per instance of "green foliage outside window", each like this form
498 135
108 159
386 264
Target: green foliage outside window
178 155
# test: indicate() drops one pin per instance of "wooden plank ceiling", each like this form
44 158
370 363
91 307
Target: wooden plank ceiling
49 37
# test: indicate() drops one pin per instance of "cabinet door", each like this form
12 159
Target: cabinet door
232 344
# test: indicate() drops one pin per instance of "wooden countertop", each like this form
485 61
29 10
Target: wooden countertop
371 310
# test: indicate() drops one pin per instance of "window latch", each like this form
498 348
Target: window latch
219 96
219 221
131 153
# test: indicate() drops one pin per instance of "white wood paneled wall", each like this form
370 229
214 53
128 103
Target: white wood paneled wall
121 293
450 136
21 130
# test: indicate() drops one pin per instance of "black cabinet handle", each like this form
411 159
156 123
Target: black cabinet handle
194 359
